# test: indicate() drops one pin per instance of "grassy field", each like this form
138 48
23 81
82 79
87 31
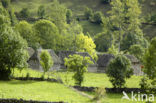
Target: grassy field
91 79
98 80
42 91
91 28
46 91
77 6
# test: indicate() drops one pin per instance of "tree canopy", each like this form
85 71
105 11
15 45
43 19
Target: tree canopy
47 32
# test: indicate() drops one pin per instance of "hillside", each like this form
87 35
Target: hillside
77 6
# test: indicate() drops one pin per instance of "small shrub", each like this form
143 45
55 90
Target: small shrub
88 13
66 81
5 3
138 51
105 1
118 70
79 65
46 61
59 79
42 77
41 12
99 93
150 60
28 75
148 85
97 18
69 15
24 13
144 85
113 50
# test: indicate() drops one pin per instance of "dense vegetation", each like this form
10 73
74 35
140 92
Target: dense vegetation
117 30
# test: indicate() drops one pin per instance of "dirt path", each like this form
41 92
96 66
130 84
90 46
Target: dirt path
84 94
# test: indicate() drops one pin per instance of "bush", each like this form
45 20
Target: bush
85 43
138 51
88 13
47 33
28 76
132 39
99 93
106 1
150 60
103 42
26 31
46 61
5 3
69 15
144 83
24 13
113 50
79 65
148 85
153 18
118 70
41 12
13 51
97 18
13 18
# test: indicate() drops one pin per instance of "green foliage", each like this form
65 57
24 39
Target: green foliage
57 13
12 49
100 93
138 51
26 31
3 11
47 32
125 17
28 75
41 12
46 61
144 83
97 17
68 40
86 44
13 18
113 50
69 16
79 65
148 85
150 60
151 18
5 3
106 1
88 13
102 41
133 39
24 13
118 70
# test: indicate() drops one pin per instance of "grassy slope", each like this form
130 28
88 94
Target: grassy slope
77 7
39 91
98 80
91 79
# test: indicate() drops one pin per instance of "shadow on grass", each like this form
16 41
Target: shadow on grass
18 82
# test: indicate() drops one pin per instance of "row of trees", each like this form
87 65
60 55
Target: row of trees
121 29
53 32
